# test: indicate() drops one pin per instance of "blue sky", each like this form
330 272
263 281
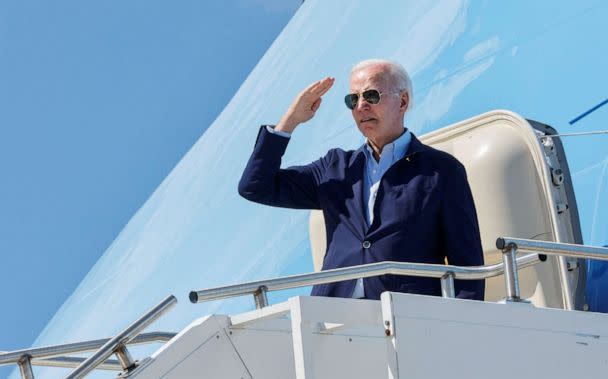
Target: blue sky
98 102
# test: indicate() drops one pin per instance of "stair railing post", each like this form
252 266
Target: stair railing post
120 340
511 276
25 367
261 300
124 357
447 285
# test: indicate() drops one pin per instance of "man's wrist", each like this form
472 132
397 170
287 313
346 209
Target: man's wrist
272 129
286 125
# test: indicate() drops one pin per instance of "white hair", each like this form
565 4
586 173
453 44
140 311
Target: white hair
398 75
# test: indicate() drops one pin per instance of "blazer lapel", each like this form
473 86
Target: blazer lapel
415 147
356 171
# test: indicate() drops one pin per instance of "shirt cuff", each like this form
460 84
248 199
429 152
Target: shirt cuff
270 129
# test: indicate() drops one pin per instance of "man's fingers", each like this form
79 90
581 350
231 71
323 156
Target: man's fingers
313 86
319 87
309 100
323 86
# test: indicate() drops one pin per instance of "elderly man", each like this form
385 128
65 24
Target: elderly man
393 199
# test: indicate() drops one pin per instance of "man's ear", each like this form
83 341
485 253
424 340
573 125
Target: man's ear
405 101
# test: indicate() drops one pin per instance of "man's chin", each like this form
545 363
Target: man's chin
369 127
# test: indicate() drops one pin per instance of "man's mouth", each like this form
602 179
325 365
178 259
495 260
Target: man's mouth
368 119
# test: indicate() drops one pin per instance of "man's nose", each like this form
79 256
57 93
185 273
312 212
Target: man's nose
362 103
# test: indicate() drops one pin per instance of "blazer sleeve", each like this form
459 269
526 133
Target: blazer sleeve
264 182
461 230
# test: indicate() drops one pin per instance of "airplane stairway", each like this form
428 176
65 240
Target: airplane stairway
310 336
400 336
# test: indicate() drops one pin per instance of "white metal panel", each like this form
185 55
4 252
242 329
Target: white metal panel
337 338
348 357
272 312
266 353
202 350
436 338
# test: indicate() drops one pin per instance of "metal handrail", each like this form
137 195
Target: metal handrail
73 362
446 272
511 246
39 353
117 343
553 248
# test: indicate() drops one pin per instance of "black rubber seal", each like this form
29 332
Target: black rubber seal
500 243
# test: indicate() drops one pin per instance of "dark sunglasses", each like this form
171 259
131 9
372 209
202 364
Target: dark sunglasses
372 96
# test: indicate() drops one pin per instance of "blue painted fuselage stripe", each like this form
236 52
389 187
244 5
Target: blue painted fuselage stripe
589 111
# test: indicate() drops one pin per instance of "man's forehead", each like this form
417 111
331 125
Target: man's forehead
374 75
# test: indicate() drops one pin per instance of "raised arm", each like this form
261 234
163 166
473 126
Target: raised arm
263 181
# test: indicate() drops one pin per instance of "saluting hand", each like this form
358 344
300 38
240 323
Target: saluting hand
305 105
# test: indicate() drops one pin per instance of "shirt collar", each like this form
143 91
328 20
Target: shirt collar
397 148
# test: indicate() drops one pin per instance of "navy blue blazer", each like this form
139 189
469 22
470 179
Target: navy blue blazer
424 212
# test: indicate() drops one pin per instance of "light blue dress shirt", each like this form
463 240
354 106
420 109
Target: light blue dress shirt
374 171
391 153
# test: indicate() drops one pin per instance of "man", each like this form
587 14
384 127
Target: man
393 199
